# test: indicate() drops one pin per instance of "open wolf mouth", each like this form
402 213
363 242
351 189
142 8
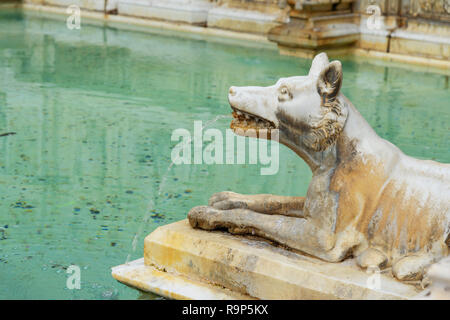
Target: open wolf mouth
245 121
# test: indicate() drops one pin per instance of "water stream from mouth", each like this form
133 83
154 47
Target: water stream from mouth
154 202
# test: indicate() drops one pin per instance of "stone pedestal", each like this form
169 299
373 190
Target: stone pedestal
187 11
181 262
316 26
179 287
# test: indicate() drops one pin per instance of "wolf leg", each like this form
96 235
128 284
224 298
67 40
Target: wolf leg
296 233
262 203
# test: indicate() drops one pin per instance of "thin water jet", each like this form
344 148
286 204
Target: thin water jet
152 203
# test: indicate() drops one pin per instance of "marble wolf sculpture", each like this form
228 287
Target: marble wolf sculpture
366 199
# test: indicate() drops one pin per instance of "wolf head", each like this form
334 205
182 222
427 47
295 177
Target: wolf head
307 110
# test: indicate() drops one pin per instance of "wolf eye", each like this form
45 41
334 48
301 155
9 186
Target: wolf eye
284 94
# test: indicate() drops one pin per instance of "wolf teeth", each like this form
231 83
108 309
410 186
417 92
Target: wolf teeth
247 119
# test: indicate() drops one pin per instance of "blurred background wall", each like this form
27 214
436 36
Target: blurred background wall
418 28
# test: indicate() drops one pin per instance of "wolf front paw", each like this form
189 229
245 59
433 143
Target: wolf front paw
412 267
227 200
205 217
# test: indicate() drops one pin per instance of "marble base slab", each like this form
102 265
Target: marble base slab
150 279
249 267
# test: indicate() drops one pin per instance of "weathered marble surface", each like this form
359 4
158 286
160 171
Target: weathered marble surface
249 267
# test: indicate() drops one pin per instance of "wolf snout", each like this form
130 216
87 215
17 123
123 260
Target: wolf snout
234 97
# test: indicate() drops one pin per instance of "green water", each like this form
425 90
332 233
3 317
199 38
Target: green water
94 110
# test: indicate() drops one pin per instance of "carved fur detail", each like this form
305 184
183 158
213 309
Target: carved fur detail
325 132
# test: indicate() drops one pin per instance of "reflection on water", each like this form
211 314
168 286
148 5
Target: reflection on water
94 110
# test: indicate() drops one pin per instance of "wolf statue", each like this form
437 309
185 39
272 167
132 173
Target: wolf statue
366 199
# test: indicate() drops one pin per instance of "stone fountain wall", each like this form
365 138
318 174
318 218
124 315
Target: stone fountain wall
257 16
418 28
412 27
409 27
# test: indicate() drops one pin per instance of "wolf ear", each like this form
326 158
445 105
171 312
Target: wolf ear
330 81
319 62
